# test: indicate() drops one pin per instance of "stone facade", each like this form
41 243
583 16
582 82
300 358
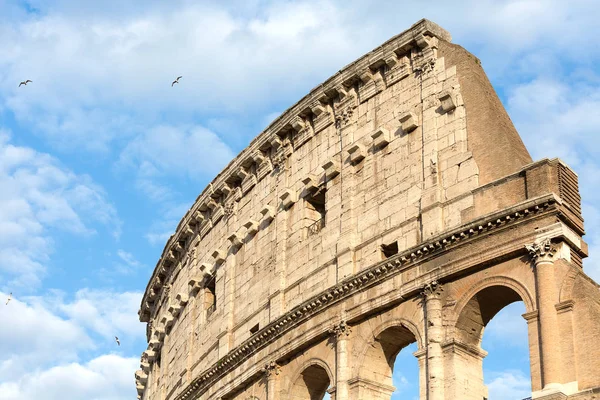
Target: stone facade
395 203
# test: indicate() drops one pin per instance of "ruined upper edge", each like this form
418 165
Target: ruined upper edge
397 44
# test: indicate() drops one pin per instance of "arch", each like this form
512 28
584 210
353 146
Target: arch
403 322
500 280
311 382
474 311
566 287
377 360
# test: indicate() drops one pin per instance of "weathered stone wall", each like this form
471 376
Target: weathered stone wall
323 248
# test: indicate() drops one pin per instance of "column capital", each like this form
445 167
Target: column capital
271 369
431 290
340 330
541 251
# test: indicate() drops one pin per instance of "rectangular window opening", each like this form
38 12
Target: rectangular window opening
389 250
254 329
210 297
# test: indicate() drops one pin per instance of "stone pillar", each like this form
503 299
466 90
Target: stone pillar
341 334
542 255
272 370
434 335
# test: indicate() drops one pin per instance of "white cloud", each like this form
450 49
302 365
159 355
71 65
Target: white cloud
40 196
557 119
507 325
163 228
107 377
41 354
190 152
510 384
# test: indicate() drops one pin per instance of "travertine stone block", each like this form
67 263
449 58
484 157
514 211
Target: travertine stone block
288 198
182 299
206 269
219 256
381 138
357 153
251 227
194 284
447 101
236 240
311 184
331 168
268 213
199 217
408 121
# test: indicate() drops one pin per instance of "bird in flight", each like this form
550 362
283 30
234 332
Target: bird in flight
9 298
117 340
176 80
25 82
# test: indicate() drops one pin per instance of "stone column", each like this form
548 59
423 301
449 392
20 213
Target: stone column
434 335
272 370
542 255
341 334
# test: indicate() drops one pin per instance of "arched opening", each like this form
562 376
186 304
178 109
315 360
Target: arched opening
502 304
388 365
405 376
312 384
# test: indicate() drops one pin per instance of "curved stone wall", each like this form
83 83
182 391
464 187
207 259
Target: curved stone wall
377 187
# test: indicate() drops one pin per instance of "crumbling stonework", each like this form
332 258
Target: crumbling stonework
393 204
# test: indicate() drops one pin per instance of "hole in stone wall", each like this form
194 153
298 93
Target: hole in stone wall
210 297
316 203
388 250
254 329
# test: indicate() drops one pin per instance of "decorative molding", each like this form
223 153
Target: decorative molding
531 316
348 287
271 369
432 289
564 306
340 330
541 251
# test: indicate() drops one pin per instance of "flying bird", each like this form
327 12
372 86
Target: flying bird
25 82
9 298
176 80
117 340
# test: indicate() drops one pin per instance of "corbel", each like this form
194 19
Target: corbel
357 153
236 240
251 227
331 168
288 198
381 138
268 213
311 184
408 121
219 256
447 101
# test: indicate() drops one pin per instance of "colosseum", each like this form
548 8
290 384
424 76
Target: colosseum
394 204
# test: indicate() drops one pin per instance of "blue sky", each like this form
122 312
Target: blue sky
100 157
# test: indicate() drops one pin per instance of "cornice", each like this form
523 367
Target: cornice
367 278
363 69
